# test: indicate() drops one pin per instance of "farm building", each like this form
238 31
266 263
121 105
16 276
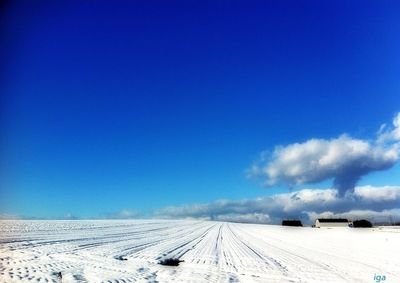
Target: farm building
331 222
361 224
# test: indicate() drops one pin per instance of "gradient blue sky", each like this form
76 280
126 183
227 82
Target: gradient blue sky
110 105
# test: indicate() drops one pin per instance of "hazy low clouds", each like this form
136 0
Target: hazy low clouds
6 216
343 159
244 218
122 214
366 202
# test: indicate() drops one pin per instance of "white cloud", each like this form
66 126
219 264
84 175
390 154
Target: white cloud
303 204
343 159
369 193
300 199
391 134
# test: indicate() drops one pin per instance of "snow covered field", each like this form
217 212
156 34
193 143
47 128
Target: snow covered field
130 250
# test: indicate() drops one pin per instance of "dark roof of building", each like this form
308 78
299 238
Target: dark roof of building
290 222
342 220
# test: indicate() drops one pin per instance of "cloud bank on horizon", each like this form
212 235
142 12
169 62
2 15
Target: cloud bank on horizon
378 204
343 159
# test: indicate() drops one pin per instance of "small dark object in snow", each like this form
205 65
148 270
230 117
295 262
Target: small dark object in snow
170 261
57 274
121 257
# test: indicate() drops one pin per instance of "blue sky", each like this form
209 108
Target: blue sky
145 104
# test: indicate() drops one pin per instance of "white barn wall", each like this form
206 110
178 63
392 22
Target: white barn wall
330 224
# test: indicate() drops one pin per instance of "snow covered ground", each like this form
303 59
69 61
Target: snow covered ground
130 250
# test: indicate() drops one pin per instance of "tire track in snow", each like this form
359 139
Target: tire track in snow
294 259
180 250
